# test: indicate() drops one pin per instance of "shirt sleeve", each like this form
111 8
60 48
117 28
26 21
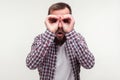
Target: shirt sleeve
39 48
78 46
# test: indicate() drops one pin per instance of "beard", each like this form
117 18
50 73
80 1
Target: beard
60 36
59 41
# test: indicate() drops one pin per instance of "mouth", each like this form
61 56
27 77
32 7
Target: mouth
60 34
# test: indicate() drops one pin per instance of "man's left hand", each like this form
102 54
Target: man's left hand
68 22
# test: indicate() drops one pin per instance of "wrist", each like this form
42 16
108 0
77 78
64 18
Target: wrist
53 31
48 35
68 29
71 35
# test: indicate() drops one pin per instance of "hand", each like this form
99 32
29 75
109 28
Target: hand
52 23
68 23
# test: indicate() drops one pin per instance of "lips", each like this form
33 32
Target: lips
60 33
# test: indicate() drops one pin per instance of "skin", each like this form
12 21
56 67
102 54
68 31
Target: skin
60 22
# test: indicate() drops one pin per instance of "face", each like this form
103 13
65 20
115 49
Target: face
60 34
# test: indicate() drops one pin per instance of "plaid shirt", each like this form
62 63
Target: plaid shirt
43 54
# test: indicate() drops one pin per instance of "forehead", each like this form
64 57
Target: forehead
60 12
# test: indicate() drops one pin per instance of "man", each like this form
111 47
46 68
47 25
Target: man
59 53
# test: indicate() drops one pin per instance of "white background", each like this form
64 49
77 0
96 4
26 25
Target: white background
97 20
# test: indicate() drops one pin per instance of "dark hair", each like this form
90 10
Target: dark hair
58 6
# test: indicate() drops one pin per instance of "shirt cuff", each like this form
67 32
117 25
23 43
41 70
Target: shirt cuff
49 36
71 35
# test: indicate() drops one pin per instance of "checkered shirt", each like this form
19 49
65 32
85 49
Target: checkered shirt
43 54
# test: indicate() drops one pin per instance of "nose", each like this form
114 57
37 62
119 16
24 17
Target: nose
60 24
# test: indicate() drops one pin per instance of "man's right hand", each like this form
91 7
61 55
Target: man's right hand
51 23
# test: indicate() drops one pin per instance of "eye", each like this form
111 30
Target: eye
67 20
52 20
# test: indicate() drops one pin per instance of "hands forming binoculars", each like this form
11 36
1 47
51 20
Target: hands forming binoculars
53 22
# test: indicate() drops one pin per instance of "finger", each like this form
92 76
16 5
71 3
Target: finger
51 19
67 18
54 16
